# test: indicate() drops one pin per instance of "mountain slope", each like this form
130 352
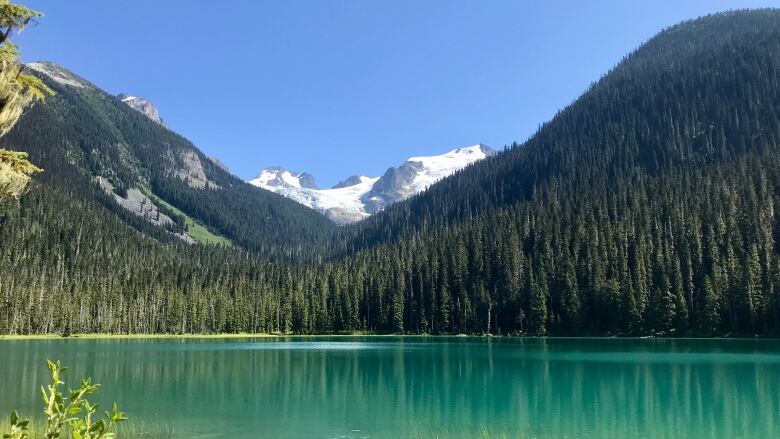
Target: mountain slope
85 134
645 207
360 196
668 105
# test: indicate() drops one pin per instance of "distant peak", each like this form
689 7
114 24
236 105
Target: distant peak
359 196
351 181
277 176
464 154
142 105
124 97
480 147
487 150
57 74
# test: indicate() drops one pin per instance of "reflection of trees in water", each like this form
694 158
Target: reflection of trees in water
556 388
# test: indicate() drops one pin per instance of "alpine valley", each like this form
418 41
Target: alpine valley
646 207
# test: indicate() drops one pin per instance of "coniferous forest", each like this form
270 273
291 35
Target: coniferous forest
646 207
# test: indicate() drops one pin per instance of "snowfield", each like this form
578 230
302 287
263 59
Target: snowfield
357 201
439 166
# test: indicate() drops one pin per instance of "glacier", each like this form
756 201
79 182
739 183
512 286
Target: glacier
361 196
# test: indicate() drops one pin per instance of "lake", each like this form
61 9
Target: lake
418 387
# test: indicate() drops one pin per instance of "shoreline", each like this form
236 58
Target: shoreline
99 336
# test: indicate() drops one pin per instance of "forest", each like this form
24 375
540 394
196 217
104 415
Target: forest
646 207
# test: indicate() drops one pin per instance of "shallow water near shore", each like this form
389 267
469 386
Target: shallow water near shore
398 387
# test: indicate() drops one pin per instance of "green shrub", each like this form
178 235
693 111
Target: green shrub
73 412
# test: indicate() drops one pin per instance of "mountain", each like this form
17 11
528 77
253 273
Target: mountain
573 149
58 74
118 154
340 204
647 207
278 177
349 181
418 173
142 105
357 197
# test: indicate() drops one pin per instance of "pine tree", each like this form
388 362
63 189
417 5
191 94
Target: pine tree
17 91
537 313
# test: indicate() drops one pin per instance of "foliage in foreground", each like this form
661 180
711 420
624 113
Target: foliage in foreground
73 412
15 172
17 91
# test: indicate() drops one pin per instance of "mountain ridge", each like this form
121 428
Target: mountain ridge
118 152
359 196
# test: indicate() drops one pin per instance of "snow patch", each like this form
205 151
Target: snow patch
436 167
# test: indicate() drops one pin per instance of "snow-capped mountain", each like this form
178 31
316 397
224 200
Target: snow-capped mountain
142 105
278 177
360 196
417 173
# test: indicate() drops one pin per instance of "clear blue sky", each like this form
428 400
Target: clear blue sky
348 87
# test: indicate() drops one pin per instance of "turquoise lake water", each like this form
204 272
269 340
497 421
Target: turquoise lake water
418 387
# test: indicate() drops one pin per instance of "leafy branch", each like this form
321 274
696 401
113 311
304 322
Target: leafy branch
73 411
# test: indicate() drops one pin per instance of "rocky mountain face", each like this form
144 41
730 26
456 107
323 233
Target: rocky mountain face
142 105
360 196
350 181
120 157
58 74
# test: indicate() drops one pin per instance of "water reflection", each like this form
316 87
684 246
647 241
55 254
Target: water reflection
398 387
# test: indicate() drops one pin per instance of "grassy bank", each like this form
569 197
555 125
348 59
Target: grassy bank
129 336
214 336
